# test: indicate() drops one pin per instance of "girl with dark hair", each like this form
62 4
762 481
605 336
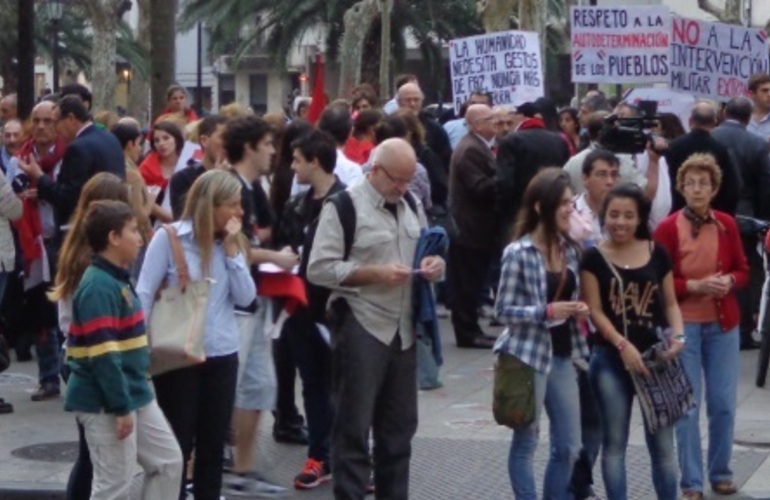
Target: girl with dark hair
538 302
570 128
669 126
627 321
166 142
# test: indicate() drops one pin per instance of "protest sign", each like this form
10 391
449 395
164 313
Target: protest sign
715 60
506 64
620 44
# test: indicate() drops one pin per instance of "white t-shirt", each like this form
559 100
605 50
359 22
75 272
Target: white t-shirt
348 172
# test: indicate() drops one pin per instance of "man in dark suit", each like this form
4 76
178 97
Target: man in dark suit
90 151
472 187
703 119
522 154
751 157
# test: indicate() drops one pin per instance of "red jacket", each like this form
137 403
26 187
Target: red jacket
730 260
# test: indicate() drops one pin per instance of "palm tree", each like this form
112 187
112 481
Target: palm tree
74 41
163 50
234 29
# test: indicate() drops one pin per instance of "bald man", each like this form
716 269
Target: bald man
472 185
703 119
373 353
410 97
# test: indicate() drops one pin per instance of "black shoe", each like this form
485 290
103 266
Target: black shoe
291 434
482 341
46 391
749 345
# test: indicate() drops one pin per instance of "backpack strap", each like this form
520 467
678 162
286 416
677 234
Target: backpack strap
346 211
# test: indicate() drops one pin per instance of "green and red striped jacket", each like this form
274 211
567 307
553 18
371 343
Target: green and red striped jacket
107 349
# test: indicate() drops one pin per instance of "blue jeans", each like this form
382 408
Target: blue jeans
614 392
713 356
558 392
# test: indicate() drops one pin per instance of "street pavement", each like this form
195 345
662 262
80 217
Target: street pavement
459 451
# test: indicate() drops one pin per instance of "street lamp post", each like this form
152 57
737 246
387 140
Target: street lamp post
55 13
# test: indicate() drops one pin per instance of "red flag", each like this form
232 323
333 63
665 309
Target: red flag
319 95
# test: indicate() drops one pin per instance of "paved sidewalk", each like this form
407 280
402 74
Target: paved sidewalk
459 452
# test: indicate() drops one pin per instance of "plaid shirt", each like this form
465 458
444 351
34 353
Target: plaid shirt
521 304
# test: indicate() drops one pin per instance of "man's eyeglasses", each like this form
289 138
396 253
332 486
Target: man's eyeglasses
397 182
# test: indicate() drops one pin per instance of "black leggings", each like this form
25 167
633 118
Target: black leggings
198 403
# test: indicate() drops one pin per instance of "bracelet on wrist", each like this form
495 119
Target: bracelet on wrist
621 346
680 338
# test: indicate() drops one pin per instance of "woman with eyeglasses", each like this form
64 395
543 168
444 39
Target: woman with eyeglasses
709 266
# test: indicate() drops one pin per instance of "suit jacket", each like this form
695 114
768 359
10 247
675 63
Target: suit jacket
522 154
91 152
473 188
751 157
701 141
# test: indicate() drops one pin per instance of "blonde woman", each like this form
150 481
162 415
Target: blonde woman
74 258
198 401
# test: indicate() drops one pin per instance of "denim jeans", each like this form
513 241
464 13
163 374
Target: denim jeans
558 392
713 356
614 392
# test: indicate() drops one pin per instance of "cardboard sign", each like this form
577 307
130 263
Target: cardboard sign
506 64
715 60
620 44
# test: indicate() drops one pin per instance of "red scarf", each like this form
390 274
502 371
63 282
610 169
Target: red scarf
152 172
532 123
29 226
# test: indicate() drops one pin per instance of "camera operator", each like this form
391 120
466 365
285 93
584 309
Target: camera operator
703 119
647 169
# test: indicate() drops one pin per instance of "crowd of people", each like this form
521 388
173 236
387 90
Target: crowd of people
588 257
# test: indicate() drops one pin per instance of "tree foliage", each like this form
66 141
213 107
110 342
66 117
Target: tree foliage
237 25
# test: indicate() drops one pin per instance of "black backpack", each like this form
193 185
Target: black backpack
346 211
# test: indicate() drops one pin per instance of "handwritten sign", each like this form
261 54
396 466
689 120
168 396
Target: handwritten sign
715 60
506 64
620 44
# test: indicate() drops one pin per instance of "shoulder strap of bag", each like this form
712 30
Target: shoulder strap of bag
615 272
346 211
178 254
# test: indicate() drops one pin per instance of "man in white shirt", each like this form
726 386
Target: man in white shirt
392 106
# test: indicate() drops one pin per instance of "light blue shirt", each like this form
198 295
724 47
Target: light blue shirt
390 107
231 285
456 130
760 128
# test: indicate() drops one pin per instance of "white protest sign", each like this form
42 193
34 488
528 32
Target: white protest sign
506 64
620 44
714 59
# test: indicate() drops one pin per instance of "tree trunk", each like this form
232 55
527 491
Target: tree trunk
532 15
730 14
103 15
162 52
26 58
496 14
358 20
139 93
386 11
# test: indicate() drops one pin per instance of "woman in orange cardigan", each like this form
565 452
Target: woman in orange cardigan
709 265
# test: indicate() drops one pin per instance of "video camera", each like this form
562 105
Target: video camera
630 135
